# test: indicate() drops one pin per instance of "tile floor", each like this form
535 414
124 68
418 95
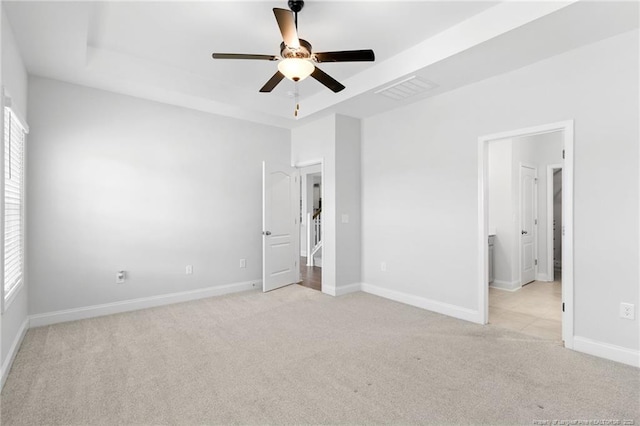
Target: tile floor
535 309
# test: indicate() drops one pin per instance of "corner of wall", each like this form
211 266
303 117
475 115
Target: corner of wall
14 81
13 351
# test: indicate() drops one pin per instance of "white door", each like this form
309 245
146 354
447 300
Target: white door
528 219
280 207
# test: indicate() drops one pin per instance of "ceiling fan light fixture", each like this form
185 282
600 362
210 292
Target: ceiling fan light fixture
296 69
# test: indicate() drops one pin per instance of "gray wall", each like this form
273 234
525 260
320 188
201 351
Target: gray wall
348 199
336 140
117 182
501 215
420 182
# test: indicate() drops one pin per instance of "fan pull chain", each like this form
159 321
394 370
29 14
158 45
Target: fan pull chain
296 93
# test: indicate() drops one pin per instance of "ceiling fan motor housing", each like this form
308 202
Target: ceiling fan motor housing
296 5
304 52
297 64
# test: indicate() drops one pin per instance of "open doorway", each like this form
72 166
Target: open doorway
311 191
522 209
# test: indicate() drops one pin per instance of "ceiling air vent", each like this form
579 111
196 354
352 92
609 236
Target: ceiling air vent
406 88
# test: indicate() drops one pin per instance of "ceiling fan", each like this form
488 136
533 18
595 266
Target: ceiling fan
297 59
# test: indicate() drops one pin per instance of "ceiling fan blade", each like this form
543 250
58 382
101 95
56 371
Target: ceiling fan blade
287 27
365 55
327 80
244 56
273 82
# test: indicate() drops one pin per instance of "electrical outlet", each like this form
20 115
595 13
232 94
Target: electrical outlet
383 266
627 311
189 270
243 263
120 277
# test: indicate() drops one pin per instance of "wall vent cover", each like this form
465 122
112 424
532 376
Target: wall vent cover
406 88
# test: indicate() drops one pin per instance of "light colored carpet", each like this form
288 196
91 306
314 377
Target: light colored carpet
296 356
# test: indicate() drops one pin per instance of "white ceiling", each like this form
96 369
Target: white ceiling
162 50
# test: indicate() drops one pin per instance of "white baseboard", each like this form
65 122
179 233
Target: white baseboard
607 350
424 303
303 253
343 289
142 303
543 277
13 351
330 290
346 289
506 285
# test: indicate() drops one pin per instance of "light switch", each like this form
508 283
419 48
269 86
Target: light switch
345 218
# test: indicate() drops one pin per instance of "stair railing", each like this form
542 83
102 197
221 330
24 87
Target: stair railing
314 235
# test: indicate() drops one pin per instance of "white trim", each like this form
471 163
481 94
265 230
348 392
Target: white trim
483 230
506 289
550 194
330 290
49 318
567 214
567 236
349 288
342 290
424 303
7 102
540 276
607 350
13 351
506 285
308 163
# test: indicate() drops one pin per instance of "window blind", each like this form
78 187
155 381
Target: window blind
14 137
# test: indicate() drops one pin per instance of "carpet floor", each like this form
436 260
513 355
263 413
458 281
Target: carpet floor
297 356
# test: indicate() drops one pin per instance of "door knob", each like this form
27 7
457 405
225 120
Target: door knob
524 232
266 233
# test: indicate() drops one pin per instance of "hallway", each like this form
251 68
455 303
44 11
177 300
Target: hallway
535 309
311 276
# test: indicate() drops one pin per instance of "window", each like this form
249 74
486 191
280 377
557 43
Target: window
14 137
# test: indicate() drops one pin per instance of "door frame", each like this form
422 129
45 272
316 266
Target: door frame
535 214
550 209
567 218
300 165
